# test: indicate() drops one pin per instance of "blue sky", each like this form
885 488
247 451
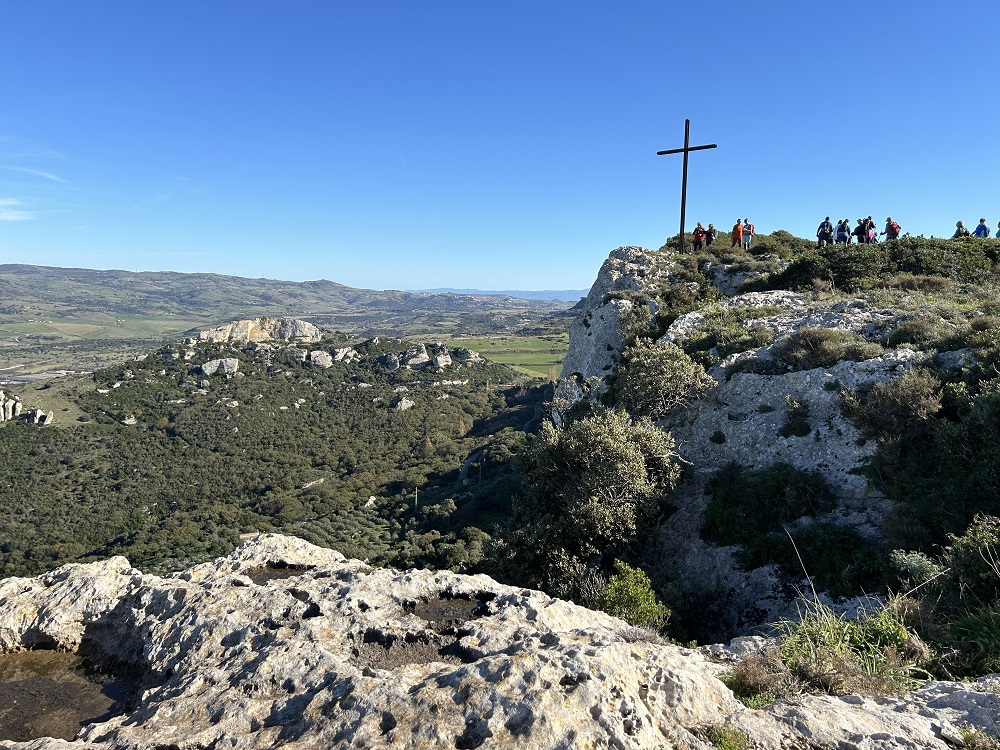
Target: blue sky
473 144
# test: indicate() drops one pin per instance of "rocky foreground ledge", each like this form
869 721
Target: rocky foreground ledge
283 644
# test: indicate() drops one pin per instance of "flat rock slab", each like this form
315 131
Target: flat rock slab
334 654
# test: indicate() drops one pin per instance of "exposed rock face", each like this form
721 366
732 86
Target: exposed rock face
10 407
466 356
283 644
225 366
264 329
389 362
321 358
404 404
415 357
595 336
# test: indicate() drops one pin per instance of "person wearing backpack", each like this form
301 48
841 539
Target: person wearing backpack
982 230
842 232
861 231
892 229
824 234
960 230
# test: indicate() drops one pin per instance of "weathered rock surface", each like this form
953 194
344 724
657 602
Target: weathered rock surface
282 644
415 357
321 359
224 366
10 407
264 329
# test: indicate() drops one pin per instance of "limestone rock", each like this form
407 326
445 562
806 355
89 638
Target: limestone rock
264 329
321 358
466 356
226 366
415 357
298 354
389 361
283 644
346 355
404 404
441 360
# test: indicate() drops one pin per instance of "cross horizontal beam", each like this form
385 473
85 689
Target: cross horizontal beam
690 148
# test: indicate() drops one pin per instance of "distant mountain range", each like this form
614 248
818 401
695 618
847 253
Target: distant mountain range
45 312
558 295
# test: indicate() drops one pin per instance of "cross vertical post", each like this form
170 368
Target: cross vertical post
684 176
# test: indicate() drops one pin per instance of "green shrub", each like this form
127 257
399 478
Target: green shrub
976 636
835 556
809 348
630 596
761 678
747 504
654 378
902 408
874 654
796 420
725 737
973 561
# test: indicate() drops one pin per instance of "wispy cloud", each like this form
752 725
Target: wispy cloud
39 173
10 210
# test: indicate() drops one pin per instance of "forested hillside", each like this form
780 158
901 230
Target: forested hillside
157 461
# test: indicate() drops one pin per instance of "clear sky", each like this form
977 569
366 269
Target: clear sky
464 143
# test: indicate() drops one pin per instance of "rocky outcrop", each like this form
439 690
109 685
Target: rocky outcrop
10 407
595 336
415 357
226 366
466 356
264 329
321 359
283 644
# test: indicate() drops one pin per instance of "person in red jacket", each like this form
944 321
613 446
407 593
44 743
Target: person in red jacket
699 237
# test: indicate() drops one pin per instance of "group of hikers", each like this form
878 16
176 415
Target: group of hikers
865 233
980 231
741 235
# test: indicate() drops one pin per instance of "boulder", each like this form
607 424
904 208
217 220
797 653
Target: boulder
403 404
321 359
226 366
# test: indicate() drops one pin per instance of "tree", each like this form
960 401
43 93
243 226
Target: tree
592 492
655 377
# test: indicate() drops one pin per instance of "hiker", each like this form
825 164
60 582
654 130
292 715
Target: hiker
960 230
699 237
842 232
710 234
982 230
872 233
861 232
824 234
892 229
737 235
748 233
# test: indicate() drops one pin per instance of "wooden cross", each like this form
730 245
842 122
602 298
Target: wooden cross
684 179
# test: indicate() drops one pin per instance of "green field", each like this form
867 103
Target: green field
538 356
